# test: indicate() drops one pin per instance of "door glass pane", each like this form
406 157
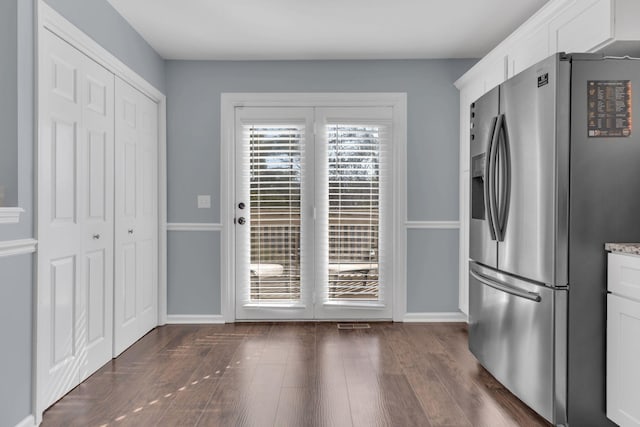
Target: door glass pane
275 167
354 196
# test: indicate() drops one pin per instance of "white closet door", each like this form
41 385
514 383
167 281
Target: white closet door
75 219
136 244
96 213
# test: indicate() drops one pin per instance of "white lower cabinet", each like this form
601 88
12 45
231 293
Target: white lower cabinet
623 346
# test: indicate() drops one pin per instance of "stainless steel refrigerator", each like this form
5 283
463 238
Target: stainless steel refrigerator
555 173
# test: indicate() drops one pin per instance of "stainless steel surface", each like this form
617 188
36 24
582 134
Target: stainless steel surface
492 179
482 245
528 248
570 193
504 177
505 287
560 308
604 206
513 337
563 122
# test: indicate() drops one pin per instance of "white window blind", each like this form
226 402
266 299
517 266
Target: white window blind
351 197
275 168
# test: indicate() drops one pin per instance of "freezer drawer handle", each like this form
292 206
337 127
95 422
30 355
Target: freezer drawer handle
504 287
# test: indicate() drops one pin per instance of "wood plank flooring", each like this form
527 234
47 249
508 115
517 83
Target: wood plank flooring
294 374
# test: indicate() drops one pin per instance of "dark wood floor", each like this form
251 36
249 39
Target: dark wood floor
294 374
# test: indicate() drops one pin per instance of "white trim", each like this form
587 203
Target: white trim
313 99
194 226
162 210
399 308
448 225
194 319
439 317
10 215
229 101
29 421
18 247
50 20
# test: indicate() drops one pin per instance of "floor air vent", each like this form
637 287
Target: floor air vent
353 326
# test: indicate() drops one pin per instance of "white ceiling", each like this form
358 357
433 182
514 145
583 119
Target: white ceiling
324 29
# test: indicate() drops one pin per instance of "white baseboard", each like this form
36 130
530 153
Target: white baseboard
455 316
187 319
29 421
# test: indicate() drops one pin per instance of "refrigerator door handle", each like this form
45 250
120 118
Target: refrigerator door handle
488 181
504 154
505 287
492 179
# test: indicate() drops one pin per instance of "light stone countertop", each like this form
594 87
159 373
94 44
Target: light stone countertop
623 248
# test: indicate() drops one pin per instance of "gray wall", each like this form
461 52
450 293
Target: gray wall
8 104
16 284
15 330
98 19
193 152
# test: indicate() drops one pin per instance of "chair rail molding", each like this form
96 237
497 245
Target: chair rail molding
18 247
444 225
10 215
194 226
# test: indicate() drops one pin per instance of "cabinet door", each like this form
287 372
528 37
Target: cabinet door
623 360
136 218
529 51
623 275
583 27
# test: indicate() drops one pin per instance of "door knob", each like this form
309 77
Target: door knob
241 220
130 231
96 236
241 205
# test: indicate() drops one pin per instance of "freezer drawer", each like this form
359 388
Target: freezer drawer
512 333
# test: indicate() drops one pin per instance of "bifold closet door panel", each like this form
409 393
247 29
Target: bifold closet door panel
97 163
136 216
75 218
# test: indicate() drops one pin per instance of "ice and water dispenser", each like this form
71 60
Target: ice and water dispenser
477 176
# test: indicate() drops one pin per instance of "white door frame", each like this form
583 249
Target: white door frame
229 101
50 20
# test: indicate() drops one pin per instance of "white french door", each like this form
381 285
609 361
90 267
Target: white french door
313 219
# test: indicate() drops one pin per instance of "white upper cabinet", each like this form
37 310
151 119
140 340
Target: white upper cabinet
584 27
607 26
532 49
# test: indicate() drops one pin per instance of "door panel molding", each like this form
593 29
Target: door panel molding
229 102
